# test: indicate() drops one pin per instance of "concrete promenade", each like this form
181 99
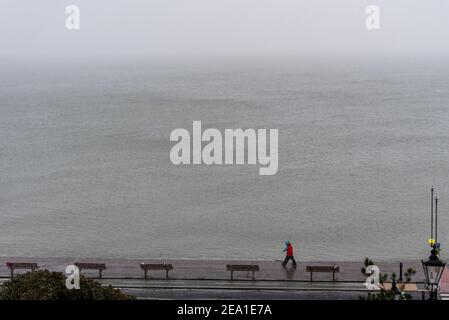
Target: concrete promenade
195 279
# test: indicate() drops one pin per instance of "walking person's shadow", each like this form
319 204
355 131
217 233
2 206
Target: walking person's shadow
290 271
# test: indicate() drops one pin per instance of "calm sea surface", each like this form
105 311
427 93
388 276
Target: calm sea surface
85 169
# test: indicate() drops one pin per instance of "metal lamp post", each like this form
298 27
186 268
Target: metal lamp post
433 270
433 266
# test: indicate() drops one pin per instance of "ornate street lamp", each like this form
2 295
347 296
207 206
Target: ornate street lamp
433 266
433 270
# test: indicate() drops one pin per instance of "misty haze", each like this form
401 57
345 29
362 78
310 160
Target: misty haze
86 117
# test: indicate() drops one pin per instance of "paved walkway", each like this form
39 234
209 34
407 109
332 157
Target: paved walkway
233 285
208 279
216 269
243 289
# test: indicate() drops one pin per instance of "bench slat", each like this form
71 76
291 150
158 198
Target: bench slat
92 266
24 265
155 266
242 267
322 268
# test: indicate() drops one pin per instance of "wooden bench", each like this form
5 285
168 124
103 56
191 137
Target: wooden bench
91 266
156 266
21 265
242 267
329 269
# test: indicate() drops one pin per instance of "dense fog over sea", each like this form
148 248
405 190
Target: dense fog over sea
85 168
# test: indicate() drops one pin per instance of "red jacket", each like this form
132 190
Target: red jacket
289 250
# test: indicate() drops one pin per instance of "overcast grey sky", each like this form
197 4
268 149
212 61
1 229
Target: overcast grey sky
30 28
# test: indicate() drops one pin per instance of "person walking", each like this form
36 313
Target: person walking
289 254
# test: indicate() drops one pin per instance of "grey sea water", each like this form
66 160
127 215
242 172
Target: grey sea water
85 169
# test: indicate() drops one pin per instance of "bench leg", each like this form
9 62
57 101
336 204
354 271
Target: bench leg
333 276
166 273
253 275
311 276
146 273
101 273
12 272
232 275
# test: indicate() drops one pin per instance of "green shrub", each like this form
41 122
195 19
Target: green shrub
391 293
46 285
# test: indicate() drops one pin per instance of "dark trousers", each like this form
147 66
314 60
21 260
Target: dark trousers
287 258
